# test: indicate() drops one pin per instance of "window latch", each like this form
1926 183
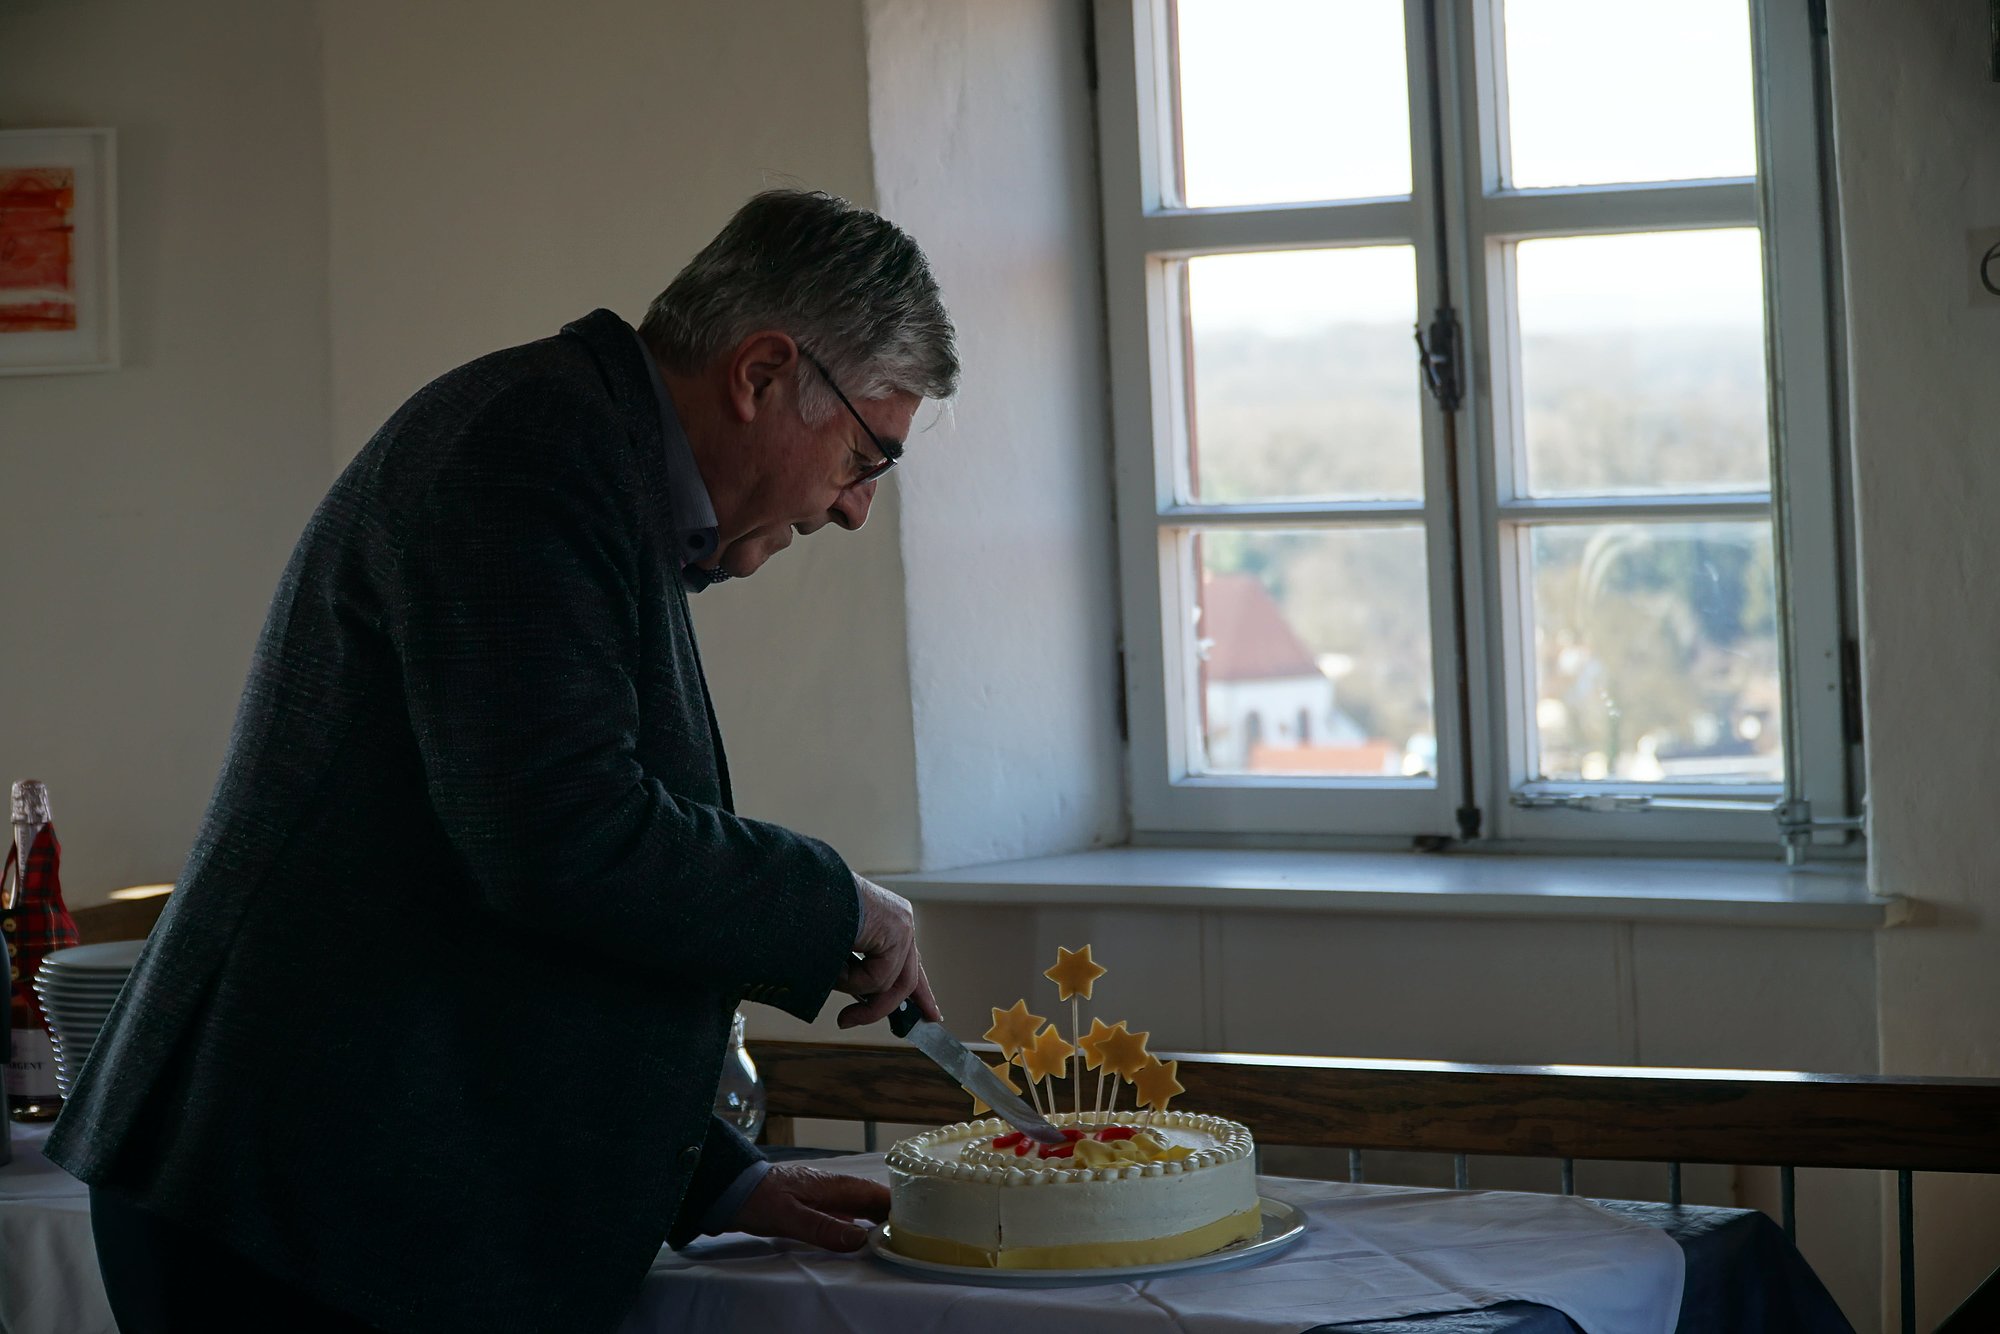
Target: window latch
1439 350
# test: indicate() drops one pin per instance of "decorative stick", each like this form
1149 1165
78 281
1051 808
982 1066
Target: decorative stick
1098 1106
1076 1057
1114 1100
1034 1095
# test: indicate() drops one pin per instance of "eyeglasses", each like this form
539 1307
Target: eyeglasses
890 450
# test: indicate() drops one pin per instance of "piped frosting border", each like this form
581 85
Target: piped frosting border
988 1166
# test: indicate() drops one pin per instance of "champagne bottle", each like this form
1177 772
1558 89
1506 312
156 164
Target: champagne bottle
7 1050
36 923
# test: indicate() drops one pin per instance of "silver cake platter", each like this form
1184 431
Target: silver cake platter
1283 1225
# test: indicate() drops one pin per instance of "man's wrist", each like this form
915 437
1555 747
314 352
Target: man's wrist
728 1204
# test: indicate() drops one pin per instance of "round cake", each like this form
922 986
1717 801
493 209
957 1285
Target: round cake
980 1194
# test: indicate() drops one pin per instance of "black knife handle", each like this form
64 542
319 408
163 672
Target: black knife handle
904 1017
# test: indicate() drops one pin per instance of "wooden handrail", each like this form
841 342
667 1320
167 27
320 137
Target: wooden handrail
129 920
1648 1114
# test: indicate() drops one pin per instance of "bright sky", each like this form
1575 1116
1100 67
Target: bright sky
1288 100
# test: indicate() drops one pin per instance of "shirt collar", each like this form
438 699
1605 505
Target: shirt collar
689 508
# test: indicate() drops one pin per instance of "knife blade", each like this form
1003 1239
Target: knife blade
970 1073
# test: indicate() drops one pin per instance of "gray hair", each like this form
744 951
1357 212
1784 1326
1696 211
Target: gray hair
851 287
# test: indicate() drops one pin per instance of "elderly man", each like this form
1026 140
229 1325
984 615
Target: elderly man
428 1036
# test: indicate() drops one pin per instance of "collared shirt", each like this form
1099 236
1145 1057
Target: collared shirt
689 508
692 514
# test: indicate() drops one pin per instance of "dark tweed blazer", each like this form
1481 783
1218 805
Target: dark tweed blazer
433 1023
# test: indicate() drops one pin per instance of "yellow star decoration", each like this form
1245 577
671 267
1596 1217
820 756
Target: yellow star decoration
1124 1051
1049 1056
1074 972
1092 1041
1014 1028
979 1108
1157 1082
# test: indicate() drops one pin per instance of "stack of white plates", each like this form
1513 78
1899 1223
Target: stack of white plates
77 987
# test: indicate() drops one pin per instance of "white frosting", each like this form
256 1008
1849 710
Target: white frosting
950 1183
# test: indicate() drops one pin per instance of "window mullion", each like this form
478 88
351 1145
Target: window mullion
1585 210
1806 457
1472 138
1277 227
1438 211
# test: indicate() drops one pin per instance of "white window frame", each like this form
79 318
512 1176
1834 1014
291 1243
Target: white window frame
1146 233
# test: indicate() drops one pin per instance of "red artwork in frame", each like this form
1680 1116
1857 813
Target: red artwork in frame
37 266
58 251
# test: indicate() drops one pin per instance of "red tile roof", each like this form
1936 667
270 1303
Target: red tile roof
1252 640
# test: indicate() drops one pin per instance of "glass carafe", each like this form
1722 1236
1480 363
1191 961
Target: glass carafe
739 1099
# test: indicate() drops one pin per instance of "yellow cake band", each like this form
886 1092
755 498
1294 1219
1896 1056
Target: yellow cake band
1082 1255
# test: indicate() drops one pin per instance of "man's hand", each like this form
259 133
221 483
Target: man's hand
818 1208
888 968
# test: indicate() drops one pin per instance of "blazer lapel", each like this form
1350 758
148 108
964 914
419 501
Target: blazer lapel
707 701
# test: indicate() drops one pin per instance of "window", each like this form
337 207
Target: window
1594 597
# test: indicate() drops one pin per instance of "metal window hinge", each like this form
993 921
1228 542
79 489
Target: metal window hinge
1090 54
1440 352
1123 706
1850 691
1796 821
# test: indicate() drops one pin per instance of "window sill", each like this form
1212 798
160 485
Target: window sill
1726 893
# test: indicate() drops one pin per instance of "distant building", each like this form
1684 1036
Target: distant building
1268 706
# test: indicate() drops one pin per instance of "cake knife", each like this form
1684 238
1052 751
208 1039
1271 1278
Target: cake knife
970 1073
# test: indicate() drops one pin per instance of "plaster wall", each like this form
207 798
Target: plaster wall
494 173
1916 123
150 509
982 139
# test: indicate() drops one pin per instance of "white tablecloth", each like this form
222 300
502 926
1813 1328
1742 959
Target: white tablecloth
1369 1253
48 1263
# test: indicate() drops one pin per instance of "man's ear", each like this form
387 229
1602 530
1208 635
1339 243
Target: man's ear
761 370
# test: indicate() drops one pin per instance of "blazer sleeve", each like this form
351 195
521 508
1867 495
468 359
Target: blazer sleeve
514 612
725 1153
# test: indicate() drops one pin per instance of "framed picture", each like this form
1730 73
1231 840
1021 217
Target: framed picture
58 251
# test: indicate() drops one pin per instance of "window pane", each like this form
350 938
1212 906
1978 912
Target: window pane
1265 87
1601 91
1642 363
1312 652
1304 374
1656 653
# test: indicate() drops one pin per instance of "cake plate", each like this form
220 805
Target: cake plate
1283 1225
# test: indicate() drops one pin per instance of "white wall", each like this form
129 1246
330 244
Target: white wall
983 147
499 167
1918 129
149 510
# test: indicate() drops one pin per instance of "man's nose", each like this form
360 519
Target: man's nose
850 509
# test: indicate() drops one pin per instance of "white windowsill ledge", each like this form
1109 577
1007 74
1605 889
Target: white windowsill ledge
1421 884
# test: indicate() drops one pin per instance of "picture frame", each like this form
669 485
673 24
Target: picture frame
58 251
